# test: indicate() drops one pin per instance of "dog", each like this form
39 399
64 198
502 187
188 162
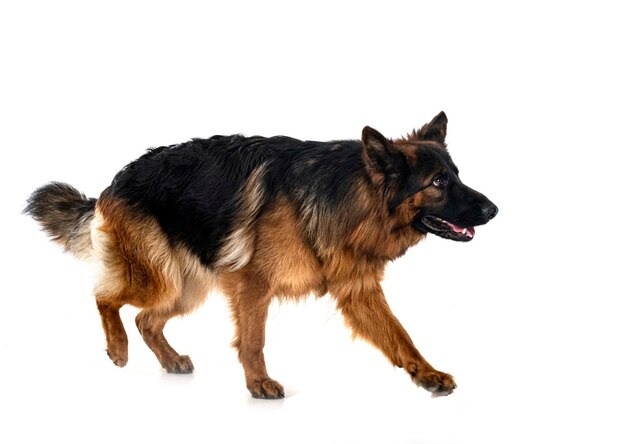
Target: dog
259 218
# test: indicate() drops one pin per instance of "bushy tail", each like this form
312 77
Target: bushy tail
65 214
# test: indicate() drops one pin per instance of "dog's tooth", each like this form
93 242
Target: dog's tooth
464 230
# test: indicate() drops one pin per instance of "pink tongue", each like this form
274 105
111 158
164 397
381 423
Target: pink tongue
470 230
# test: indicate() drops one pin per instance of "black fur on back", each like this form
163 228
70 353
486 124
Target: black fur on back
63 211
192 188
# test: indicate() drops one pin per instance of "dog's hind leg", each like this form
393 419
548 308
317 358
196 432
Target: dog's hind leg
117 341
150 323
140 268
195 283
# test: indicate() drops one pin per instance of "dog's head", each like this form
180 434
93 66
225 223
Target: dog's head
419 179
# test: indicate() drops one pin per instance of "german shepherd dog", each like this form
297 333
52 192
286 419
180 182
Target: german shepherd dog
259 218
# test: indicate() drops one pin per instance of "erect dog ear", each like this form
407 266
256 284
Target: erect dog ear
434 130
379 152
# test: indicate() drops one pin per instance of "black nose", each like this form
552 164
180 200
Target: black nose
490 211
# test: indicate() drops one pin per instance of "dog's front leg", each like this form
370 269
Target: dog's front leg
366 311
249 299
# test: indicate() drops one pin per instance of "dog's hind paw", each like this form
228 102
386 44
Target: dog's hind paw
119 357
179 364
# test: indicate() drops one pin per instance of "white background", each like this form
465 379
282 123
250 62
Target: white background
528 317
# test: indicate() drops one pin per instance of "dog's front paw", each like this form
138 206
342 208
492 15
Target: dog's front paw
268 389
436 382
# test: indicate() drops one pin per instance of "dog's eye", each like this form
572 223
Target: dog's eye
440 180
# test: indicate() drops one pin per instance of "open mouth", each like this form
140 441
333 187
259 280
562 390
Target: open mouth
448 230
